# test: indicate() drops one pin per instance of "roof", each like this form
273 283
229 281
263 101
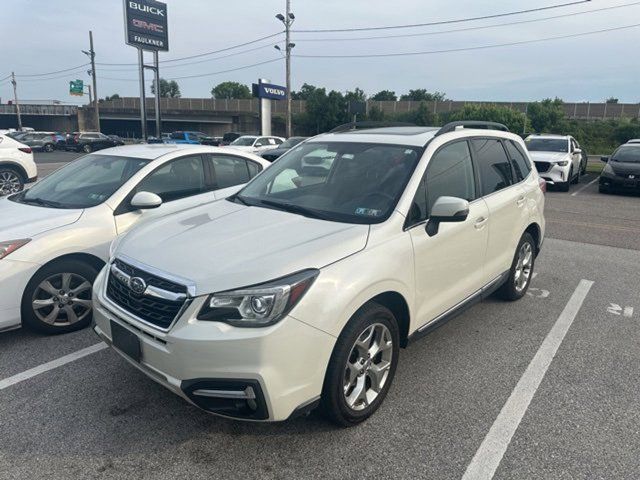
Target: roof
414 136
549 135
148 151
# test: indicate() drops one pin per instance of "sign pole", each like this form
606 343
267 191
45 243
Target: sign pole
143 106
95 85
156 63
15 98
265 112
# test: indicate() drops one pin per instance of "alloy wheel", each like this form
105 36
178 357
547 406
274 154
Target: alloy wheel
523 267
62 299
368 366
9 183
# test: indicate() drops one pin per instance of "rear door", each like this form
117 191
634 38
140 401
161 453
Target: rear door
181 183
449 265
230 173
505 198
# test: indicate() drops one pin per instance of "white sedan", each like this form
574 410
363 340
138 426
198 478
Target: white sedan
255 144
55 237
16 166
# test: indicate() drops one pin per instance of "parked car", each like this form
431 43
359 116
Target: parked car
89 142
229 137
60 140
256 144
117 140
558 159
16 168
55 237
634 140
287 145
213 141
44 141
622 170
298 291
191 138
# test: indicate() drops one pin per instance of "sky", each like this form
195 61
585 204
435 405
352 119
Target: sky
50 35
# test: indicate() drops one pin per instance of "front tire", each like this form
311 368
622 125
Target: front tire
48 147
521 270
11 181
362 366
87 148
58 297
576 179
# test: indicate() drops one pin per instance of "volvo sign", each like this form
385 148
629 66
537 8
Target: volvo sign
146 25
267 90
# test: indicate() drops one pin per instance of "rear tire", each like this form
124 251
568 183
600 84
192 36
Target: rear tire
48 147
11 181
58 297
521 270
576 179
362 366
87 148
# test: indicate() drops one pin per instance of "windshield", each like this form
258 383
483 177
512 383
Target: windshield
244 141
560 145
336 181
627 155
292 142
85 183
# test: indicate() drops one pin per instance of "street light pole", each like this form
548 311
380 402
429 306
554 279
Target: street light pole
288 20
15 98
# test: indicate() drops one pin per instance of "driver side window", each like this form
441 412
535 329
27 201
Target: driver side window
176 179
449 173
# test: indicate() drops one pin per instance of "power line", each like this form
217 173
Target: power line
52 73
199 55
66 75
466 49
467 29
443 22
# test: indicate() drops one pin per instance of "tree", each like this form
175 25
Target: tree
612 100
227 90
108 98
546 116
385 95
167 88
324 110
513 119
357 95
421 95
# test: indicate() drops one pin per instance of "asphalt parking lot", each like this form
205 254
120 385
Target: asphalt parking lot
543 388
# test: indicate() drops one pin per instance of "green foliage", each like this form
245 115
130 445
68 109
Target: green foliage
612 100
357 95
421 95
546 116
228 90
167 88
375 115
385 95
324 110
511 118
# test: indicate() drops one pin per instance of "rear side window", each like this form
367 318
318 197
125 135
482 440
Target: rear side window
254 168
229 171
520 163
493 165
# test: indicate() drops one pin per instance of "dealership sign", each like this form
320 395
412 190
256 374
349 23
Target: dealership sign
145 23
267 90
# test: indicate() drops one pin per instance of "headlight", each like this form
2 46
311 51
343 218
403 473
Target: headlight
607 171
11 246
563 163
259 305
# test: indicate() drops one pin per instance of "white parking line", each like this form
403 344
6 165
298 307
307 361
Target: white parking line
488 457
45 367
585 187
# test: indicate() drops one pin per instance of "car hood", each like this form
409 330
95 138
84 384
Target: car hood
623 168
27 221
223 245
552 157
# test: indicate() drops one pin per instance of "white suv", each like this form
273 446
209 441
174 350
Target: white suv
277 300
16 166
558 159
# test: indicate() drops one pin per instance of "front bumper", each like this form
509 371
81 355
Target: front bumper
14 276
556 174
620 183
284 364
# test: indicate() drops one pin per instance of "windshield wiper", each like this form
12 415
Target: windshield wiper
237 198
42 202
292 208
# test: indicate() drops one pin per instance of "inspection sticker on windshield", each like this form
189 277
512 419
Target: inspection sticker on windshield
368 212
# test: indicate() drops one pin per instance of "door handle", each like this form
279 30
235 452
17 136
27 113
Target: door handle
480 223
520 201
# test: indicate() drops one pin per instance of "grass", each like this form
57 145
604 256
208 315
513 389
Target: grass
593 167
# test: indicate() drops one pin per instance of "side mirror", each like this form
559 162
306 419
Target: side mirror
578 150
145 201
446 210
604 159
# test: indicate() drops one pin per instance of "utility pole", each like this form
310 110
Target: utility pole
15 97
92 55
288 20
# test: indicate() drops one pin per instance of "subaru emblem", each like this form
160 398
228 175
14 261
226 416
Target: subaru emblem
137 285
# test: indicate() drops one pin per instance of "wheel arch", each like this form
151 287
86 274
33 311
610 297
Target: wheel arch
16 166
398 305
536 232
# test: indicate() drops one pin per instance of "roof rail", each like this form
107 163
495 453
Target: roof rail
453 126
369 124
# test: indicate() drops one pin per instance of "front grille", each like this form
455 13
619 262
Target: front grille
154 310
542 166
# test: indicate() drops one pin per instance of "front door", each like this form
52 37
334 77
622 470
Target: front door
448 265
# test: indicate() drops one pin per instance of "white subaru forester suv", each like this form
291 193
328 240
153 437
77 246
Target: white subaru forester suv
299 290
